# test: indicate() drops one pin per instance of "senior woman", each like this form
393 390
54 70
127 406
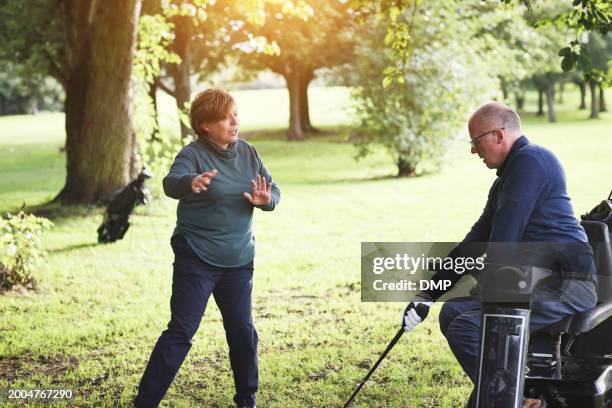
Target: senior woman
218 179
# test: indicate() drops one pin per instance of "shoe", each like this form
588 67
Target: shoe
247 401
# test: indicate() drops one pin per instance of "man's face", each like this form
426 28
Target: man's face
486 142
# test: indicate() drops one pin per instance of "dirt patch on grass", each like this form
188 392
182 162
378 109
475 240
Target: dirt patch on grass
27 365
324 372
218 361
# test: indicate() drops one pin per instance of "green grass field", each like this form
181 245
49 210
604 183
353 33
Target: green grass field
96 315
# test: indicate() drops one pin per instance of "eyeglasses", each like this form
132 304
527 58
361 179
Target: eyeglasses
474 140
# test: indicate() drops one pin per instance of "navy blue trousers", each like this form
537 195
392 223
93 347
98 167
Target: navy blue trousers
193 281
460 318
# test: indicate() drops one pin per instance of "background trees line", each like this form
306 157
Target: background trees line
99 51
474 51
89 48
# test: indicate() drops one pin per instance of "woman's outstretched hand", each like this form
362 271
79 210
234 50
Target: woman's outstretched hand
261 192
199 183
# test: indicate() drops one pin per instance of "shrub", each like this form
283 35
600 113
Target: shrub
20 248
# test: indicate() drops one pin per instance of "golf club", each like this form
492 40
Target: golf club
381 358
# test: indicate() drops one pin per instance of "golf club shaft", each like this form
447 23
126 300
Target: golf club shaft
382 357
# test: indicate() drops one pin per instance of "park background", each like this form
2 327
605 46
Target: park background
85 316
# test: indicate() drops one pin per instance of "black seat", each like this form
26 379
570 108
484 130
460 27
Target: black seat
581 322
599 238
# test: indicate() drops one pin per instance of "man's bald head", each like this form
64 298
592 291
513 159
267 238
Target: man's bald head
497 114
494 128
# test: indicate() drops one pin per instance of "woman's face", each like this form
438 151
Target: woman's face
224 131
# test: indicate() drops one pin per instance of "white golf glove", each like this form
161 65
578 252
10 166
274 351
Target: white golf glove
415 312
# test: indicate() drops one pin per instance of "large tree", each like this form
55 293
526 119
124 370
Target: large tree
198 31
203 34
600 50
444 78
320 38
582 16
99 128
88 46
544 55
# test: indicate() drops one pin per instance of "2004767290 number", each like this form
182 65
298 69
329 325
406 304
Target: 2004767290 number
41 394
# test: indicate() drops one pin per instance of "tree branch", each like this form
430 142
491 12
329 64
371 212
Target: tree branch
166 88
56 70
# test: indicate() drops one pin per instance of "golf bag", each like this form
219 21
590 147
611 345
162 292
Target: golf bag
116 219
602 212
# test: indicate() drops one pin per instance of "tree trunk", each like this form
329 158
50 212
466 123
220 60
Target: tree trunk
582 87
540 101
593 89
100 138
181 72
561 88
151 8
153 95
404 168
306 125
293 79
550 102
520 101
602 100
504 89
76 90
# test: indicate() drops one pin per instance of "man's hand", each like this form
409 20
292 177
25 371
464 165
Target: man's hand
415 312
532 403
261 192
199 183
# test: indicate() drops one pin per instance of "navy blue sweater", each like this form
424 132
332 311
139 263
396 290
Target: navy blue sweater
528 202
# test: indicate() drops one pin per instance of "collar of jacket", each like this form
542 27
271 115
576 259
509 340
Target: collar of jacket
518 143
218 151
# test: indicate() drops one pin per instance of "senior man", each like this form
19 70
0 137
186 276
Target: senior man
528 202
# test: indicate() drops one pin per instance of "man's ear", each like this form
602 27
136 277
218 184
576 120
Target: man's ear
501 135
204 127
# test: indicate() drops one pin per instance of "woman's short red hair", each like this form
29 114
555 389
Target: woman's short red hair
209 106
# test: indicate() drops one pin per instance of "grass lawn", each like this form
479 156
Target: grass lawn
92 323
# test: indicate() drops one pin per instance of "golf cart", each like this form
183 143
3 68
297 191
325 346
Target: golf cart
567 364
577 372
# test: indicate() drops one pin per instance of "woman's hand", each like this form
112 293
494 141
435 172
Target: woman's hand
261 194
199 183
